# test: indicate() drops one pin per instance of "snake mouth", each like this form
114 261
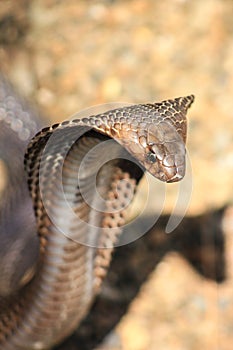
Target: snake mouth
173 173
175 178
165 176
165 173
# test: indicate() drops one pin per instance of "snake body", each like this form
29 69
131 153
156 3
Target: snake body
80 203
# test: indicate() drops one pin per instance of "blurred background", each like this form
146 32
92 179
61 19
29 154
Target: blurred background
69 55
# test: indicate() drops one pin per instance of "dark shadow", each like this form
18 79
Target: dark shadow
199 239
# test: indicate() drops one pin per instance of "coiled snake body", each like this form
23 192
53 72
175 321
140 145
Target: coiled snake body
80 202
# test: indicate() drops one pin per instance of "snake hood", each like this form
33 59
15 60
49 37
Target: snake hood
154 134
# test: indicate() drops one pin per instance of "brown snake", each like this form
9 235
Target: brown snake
80 207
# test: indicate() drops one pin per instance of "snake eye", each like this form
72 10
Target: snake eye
151 157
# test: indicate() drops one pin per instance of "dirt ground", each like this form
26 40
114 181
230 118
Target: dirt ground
70 55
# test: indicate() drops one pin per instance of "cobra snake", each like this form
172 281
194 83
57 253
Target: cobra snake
81 174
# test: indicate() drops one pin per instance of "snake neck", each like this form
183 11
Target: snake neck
18 123
17 219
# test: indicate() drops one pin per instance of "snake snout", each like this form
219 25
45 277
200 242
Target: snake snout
179 174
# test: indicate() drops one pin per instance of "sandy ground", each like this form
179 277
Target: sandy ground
71 55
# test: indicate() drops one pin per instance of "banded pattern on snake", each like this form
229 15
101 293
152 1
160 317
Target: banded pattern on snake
81 175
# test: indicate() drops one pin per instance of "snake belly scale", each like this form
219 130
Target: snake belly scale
75 221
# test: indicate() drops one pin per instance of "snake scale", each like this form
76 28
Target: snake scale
81 174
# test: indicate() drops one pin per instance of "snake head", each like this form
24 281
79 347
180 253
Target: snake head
164 154
156 137
160 149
